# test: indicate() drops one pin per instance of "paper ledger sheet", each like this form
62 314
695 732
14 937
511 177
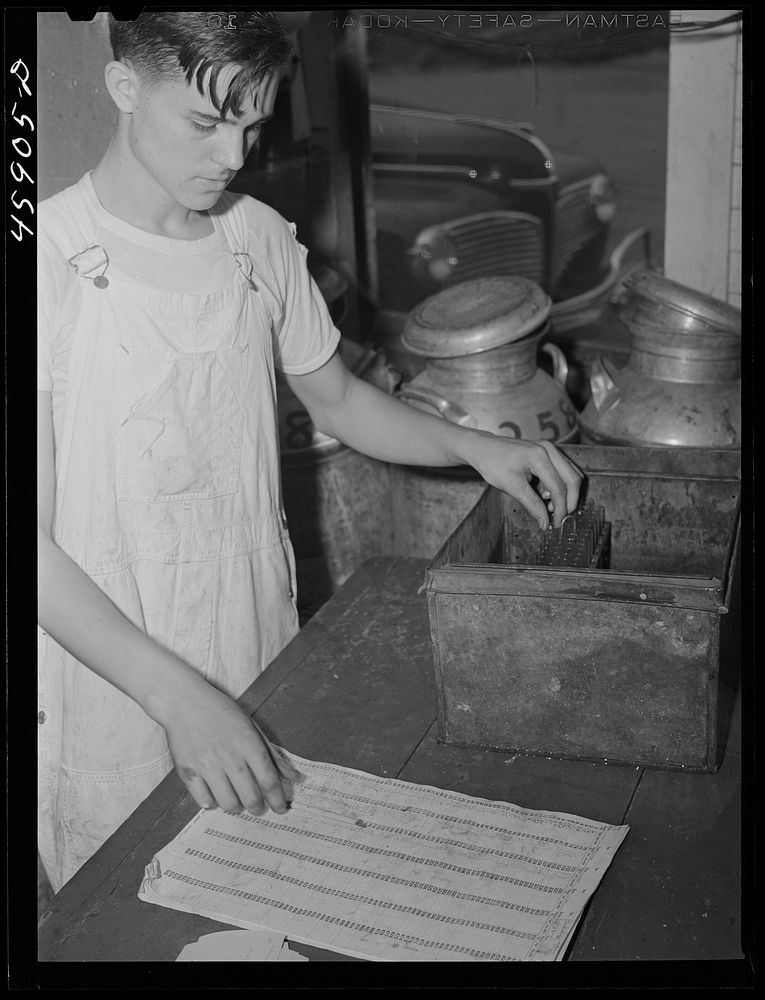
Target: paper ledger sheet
240 946
390 871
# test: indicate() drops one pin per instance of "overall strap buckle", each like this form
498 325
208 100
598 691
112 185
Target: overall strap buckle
92 264
245 266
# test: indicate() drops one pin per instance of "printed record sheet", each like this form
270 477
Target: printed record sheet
387 870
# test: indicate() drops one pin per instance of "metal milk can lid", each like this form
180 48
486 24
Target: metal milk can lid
657 301
475 316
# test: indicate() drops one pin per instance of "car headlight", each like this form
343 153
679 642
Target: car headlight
603 197
433 254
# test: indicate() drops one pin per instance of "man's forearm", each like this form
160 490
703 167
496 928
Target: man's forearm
378 425
383 427
82 619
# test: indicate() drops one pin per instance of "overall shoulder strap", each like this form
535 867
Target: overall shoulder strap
233 221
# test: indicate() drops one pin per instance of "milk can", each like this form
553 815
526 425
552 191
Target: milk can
481 341
681 384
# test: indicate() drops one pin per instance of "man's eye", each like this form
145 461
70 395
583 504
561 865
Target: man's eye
203 128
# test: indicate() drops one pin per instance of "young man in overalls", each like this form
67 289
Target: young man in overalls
165 305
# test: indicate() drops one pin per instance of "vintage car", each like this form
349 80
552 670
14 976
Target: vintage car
460 197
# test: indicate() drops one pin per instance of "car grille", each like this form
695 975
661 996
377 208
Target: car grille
496 243
575 225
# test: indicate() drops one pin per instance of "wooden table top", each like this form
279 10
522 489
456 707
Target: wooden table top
355 687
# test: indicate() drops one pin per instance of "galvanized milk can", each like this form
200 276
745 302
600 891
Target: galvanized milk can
480 341
681 384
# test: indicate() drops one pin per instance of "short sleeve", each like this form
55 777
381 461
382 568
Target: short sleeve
305 337
51 275
58 301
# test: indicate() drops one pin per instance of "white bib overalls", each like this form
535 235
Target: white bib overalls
168 496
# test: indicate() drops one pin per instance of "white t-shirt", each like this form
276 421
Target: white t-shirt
304 335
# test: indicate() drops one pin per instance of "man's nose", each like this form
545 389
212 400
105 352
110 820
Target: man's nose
230 152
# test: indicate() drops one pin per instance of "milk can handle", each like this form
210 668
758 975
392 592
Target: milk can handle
449 410
560 365
605 391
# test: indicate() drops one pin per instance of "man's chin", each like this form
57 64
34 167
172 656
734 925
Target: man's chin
203 202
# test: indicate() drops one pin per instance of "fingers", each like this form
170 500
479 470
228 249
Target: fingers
248 775
570 475
285 769
532 502
552 484
271 772
512 464
235 791
268 783
216 791
561 481
238 789
223 757
198 788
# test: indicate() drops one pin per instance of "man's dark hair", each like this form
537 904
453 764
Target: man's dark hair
158 45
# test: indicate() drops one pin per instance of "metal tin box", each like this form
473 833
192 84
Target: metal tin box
631 664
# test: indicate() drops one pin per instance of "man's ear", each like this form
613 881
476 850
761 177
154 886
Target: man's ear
123 85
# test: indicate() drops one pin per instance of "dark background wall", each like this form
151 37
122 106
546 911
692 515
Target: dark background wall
75 114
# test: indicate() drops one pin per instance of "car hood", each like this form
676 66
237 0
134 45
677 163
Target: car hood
572 167
403 136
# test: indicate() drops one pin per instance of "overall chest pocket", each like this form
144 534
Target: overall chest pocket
180 436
